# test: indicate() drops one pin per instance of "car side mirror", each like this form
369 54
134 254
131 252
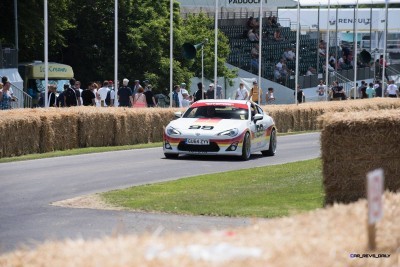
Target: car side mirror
178 114
258 117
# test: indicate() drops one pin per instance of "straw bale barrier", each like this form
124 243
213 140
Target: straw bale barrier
304 117
355 143
42 130
324 237
27 131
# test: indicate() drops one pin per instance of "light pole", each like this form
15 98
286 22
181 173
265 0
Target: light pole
202 65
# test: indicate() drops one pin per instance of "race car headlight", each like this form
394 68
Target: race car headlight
173 131
232 132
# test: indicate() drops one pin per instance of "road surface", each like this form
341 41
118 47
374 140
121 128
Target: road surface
28 187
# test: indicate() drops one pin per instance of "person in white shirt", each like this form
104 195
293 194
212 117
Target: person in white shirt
321 90
310 71
280 64
289 54
242 93
186 100
392 90
181 92
102 93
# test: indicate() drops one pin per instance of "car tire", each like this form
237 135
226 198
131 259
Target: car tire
272 145
246 149
171 155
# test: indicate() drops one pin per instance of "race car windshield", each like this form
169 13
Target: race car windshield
221 112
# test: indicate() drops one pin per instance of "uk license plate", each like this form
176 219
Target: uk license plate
195 141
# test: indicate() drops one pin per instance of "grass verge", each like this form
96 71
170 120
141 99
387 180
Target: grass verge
266 192
79 151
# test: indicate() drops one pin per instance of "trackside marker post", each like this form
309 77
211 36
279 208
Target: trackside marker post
375 181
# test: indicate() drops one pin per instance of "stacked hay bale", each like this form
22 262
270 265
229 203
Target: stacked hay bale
355 143
19 133
326 237
59 129
28 131
304 117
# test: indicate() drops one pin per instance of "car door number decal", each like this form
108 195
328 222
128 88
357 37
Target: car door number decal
196 127
259 130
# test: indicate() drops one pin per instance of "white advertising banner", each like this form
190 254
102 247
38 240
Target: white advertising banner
345 19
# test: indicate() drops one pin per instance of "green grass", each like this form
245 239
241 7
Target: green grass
79 151
271 191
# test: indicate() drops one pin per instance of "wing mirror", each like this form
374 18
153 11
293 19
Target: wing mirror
258 117
178 114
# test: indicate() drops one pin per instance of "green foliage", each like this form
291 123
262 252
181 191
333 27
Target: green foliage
81 34
198 28
31 27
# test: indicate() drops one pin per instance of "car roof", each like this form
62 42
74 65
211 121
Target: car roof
222 102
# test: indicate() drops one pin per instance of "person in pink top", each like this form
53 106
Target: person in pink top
139 100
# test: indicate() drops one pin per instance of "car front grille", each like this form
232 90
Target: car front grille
212 147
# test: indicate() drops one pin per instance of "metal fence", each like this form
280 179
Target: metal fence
8 58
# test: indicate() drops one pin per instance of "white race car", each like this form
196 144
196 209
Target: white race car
221 127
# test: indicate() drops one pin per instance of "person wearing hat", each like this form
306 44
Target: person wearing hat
151 101
181 92
136 86
210 92
146 85
255 92
186 101
241 92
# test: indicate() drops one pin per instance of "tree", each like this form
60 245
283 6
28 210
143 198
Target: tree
198 28
81 34
31 27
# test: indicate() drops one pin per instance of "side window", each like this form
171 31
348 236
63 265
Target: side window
259 110
253 110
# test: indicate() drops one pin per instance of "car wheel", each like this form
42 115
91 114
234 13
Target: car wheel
246 150
171 155
272 145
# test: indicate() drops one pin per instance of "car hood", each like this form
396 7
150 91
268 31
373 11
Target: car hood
204 126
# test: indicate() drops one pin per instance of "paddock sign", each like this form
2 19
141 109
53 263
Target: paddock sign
374 194
242 3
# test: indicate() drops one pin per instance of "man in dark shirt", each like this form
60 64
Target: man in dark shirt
378 89
151 102
60 98
71 96
88 97
199 95
125 94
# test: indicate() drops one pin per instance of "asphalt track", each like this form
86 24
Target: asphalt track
28 187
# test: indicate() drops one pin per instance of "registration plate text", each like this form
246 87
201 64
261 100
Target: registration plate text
194 141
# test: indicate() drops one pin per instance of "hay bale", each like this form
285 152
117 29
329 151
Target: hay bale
19 134
59 130
76 127
355 143
325 237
